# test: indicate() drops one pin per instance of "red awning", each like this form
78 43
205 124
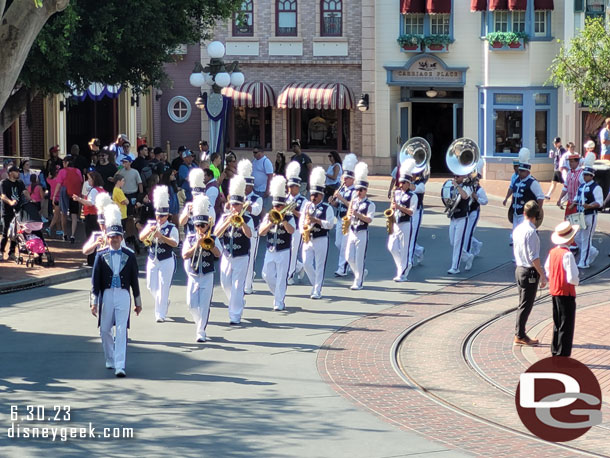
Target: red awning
478 5
321 96
252 95
517 5
543 5
412 6
497 5
438 6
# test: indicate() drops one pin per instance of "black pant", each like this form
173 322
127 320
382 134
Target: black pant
564 316
90 227
527 283
7 219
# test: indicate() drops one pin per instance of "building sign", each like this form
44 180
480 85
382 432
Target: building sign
424 70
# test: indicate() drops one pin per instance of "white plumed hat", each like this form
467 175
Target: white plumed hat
101 201
196 181
237 189
348 165
277 189
112 216
293 172
317 180
361 173
201 209
161 200
524 159
406 170
588 163
244 168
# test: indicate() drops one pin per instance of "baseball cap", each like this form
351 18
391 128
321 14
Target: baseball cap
13 169
127 159
68 157
54 149
186 153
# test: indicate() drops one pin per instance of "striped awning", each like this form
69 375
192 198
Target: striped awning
254 94
321 96
511 5
425 6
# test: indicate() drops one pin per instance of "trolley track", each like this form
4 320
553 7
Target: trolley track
426 389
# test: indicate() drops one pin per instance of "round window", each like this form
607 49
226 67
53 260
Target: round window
179 109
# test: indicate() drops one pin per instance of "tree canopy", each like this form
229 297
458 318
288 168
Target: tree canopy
111 41
582 68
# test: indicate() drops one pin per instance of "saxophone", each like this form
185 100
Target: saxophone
347 219
389 215
307 226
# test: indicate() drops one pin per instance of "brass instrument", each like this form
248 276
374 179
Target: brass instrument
277 216
307 226
461 159
238 220
207 242
347 219
150 237
389 215
419 149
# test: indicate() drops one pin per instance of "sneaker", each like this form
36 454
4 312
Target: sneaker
355 287
72 240
453 271
279 308
290 280
584 266
592 257
120 373
315 296
547 197
201 339
400 279
525 341
301 274
248 291
233 323
109 365
160 320
468 264
59 233
338 273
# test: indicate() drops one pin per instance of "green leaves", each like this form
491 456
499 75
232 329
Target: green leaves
407 39
437 40
581 66
506 38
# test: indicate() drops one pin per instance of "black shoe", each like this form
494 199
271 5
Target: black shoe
65 238
72 240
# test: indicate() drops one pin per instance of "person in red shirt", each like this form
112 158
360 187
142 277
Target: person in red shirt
70 182
562 274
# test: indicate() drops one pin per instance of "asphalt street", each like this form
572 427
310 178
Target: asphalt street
251 390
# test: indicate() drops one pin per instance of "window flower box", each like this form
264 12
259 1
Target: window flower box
409 42
507 40
436 43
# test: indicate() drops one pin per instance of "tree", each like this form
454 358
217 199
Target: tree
111 41
582 67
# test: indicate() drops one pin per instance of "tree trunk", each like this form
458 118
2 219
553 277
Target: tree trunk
14 106
19 27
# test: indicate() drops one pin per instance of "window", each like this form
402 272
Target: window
321 129
508 99
179 109
595 8
243 20
500 23
540 23
439 24
542 99
414 24
332 17
542 131
250 127
286 18
509 130
518 18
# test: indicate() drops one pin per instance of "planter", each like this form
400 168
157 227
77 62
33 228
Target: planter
496 44
410 47
436 47
514 45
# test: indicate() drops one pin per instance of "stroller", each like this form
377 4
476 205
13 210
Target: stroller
26 230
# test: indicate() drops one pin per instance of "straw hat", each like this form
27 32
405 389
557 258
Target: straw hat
564 233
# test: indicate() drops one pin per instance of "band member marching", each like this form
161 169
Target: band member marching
197 184
403 206
98 239
457 226
244 168
234 229
293 169
525 188
340 200
477 198
317 219
360 213
115 272
589 200
279 227
416 251
200 252
161 237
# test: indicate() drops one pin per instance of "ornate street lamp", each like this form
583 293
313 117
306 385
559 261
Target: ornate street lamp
218 75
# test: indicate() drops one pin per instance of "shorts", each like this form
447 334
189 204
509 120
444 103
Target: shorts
557 178
66 204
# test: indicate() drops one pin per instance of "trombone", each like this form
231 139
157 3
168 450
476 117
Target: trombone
207 242
277 216
238 220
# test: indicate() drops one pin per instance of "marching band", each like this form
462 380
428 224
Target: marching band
299 227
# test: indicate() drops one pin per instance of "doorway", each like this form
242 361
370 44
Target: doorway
435 123
90 118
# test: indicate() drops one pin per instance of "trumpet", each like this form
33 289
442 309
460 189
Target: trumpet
277 216
238 220
389 215
307 226
149 239
207 242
